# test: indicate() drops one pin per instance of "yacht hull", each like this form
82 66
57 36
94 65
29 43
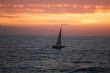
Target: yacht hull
58 47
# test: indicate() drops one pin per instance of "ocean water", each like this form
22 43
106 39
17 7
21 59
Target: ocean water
33 54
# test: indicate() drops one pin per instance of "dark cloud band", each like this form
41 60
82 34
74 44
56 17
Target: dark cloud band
79 2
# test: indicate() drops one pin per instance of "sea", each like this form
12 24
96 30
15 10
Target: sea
34 54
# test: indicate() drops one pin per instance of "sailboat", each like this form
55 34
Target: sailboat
58 44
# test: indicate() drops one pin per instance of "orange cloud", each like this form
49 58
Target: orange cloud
45 18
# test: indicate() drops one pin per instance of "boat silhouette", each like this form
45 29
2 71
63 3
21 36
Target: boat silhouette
58 44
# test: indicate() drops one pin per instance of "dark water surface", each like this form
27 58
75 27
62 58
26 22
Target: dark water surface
33 54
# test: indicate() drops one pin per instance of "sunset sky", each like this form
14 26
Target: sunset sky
44 17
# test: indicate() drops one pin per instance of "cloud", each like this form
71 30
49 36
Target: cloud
55 6
52 8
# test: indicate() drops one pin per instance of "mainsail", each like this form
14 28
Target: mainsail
59 38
